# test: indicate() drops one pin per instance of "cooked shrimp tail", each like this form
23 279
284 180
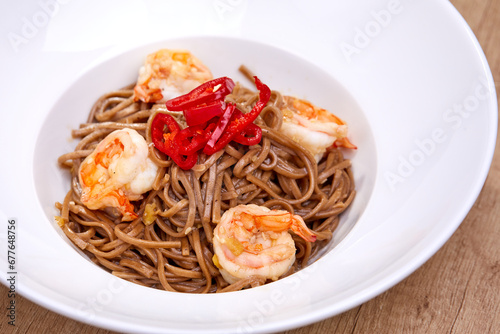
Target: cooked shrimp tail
282 222
300 228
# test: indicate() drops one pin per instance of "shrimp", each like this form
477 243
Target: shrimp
169 73
314 128
116 172
254 240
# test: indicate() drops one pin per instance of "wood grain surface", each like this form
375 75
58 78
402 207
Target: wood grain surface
456 291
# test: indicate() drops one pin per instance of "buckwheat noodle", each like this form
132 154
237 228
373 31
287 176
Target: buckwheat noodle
175 252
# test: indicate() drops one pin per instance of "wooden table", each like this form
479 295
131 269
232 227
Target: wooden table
456 291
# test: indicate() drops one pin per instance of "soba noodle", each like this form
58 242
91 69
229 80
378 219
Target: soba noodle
175 251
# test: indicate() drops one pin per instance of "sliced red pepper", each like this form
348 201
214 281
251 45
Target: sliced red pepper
185 162
160 123
219 129
212 123
240 121
255 137
199 115
210 91
166 141
194 138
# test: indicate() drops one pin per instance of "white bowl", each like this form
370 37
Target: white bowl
409 78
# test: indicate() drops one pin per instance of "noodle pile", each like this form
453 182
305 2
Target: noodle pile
170 245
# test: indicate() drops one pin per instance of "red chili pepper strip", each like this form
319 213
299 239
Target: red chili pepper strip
239 121
210 91
193 138
255 133
219 129
166 141
160 123
200 115
185 162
